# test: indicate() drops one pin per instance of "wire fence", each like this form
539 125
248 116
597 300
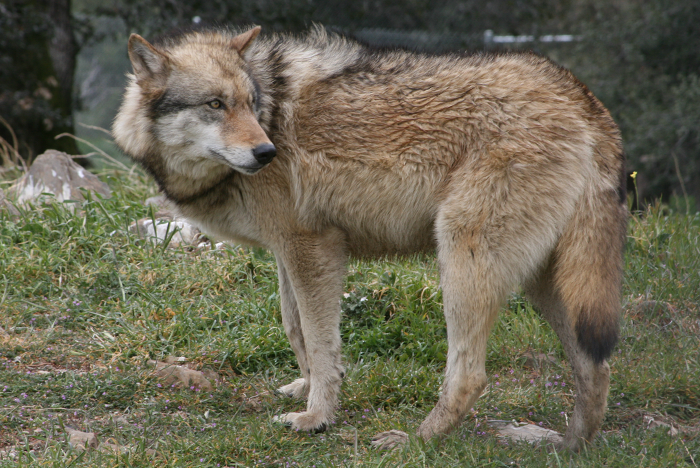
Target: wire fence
443 42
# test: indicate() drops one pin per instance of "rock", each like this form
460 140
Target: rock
167 221
6 205
389 440
651 423
82 440
175 360
88 440
184 232
525 432
181 376
55 172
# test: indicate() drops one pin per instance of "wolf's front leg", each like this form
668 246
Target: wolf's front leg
315 268
292 326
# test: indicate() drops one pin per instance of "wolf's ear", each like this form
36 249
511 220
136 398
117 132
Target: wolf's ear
242 41
149 64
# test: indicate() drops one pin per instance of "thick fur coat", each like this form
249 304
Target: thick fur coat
504 164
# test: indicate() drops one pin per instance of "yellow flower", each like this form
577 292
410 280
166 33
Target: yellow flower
633 175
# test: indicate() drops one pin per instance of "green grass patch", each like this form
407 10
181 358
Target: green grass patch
84 305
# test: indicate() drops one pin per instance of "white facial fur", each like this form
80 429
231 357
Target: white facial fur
197 147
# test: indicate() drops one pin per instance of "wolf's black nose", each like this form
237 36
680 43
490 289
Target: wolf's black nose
264 153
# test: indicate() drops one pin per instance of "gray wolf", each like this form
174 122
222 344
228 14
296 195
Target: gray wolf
320 148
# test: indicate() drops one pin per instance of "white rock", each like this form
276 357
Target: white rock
55 172
525 432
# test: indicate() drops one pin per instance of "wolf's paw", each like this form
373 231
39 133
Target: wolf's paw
563 444
297 389
304 421
389 440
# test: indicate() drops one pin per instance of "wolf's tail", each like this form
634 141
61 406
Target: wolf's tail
588 268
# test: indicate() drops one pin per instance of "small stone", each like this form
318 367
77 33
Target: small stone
181 376
389 440
525 432
652 423
180 232
82 440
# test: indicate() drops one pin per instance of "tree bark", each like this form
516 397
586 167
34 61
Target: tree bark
37 67
63 50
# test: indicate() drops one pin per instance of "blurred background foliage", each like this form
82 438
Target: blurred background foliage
62 62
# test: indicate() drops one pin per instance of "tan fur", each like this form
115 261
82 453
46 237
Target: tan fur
504 164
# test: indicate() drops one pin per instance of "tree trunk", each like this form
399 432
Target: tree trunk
63 51
37 66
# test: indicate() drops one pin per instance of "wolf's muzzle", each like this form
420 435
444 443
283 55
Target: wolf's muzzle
264 153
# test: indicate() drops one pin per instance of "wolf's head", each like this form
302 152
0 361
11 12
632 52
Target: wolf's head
192 107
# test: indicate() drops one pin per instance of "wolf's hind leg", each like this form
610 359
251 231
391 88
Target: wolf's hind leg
492 234
292 326
591 378
473 291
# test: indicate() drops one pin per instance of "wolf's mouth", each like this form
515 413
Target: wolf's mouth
248 169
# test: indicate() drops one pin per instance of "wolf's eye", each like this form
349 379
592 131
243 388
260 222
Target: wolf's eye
215 104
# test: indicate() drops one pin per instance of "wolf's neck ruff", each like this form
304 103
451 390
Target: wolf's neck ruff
181 189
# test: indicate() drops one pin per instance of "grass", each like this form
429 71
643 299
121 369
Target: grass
84 305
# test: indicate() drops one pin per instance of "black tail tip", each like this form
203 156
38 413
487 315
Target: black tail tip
597 337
